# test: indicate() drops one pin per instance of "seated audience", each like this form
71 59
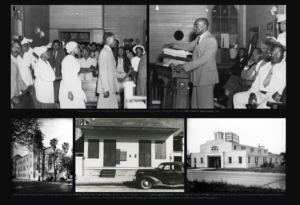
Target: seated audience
269 83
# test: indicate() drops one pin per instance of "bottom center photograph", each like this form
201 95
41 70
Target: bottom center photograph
129 154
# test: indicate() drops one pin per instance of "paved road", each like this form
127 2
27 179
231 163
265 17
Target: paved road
126 188
274 180
37 186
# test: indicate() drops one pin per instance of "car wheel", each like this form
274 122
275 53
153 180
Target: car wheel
145 184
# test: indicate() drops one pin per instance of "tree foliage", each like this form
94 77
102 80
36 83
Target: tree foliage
65 147
26 132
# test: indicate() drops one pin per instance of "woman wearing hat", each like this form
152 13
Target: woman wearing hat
139 51
45 76
24 63
71 94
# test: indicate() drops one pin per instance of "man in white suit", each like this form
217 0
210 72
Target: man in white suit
107 82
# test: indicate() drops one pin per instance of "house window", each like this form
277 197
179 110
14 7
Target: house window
248 159
259 150
243 148
276 160
160 149
252 150
214 148
229 158
271 159
240 160
224 19
234 147
201 160
93 148
256 160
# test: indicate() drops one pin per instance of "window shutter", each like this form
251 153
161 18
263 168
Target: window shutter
118 156
93 148
163 150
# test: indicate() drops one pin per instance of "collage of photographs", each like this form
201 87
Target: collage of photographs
153 102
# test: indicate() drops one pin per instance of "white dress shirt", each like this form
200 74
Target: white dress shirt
87 63
135 63
278 80
282 38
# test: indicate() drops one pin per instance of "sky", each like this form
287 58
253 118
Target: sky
270 132
59 128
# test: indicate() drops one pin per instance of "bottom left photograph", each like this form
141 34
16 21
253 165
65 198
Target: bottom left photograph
42 155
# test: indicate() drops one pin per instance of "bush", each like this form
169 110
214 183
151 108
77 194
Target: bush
271 164
50 178
265 164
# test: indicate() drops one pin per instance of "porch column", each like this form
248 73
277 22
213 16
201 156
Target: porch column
79 166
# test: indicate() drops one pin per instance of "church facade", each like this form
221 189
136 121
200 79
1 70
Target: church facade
225 151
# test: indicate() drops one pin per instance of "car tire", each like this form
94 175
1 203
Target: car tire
145 184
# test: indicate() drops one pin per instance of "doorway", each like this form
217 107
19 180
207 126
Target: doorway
214 162
78 37
144 153
110 153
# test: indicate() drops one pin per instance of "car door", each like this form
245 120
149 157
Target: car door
167 175
178 174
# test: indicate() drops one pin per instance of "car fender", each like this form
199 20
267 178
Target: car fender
154 180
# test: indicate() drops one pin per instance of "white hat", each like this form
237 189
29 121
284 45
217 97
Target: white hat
24 41
70 46
135 47
29 40
63 44
281 17
40 50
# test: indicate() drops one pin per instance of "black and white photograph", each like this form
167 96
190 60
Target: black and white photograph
129 155
42 155
236 155
79 56
217 57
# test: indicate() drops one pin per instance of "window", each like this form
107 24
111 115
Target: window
167 167
242 148
160 149
195 160
234 147
93 149
252 150
201 159
214 148
259 150
271 159
256 160
240 160
275 159
224 19
229 158
177 167
248 159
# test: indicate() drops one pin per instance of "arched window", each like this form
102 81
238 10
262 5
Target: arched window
214 148
224 19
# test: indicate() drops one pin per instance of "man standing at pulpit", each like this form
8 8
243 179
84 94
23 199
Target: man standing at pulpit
204 74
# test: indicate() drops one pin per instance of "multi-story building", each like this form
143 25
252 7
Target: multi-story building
226 152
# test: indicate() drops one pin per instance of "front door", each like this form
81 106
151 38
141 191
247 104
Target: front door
109 153
144 153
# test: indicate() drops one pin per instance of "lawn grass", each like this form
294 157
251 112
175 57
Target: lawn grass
214 186
278 169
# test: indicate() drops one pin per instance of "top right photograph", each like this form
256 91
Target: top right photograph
217 57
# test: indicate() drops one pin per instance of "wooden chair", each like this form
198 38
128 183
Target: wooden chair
28 100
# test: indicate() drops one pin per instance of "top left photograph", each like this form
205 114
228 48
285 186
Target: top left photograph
79 56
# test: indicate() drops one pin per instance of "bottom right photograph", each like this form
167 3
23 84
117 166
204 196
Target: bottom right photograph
236 155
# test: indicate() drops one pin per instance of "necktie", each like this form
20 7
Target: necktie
198 40
55 54
268 78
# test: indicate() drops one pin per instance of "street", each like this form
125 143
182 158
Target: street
126 188
38 186
273 180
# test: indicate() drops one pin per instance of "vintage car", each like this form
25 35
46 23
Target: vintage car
167 173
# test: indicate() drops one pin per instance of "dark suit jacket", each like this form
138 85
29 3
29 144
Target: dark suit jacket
203 66
126 64
56 63
238 67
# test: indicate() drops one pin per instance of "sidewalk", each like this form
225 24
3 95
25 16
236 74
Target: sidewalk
96 180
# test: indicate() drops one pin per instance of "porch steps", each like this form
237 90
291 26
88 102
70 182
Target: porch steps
108 173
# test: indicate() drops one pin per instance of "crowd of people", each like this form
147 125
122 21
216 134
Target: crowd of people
56 71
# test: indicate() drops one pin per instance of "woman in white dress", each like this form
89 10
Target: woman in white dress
24 63
71 94
45 76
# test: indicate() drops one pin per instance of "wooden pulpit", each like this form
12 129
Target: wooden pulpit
176 88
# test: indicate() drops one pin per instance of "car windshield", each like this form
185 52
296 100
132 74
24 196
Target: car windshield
161 166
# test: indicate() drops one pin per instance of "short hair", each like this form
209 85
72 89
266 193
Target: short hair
259 50
278 45
107 35
15 41
243 49
121 47
93 44
206 22
56 41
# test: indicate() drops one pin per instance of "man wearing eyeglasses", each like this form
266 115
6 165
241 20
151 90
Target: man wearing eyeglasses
203 67
269 83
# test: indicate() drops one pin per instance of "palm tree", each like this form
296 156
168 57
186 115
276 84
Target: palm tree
53 144
65 146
